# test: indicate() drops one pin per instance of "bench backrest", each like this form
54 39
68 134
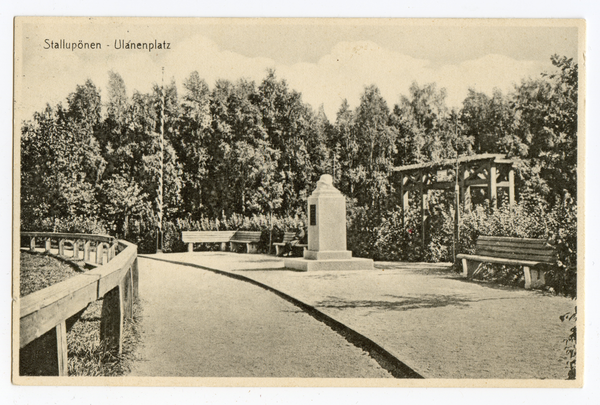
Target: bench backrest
539 250
206 236
250 236
288 237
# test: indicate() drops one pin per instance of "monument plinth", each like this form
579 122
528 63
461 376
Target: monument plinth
327 233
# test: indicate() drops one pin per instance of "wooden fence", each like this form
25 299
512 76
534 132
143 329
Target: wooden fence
44 313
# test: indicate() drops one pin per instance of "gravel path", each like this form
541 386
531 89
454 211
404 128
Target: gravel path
428 317
438 324
197 323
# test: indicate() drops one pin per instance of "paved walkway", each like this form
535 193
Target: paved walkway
200 324
430 319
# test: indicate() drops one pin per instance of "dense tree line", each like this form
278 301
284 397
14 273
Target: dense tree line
245 148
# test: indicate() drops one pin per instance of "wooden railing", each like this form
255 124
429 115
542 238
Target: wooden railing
45 312
83 246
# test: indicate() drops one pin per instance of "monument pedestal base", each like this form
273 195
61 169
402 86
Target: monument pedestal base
340 264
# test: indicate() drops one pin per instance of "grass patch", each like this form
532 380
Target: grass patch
38 271
89 357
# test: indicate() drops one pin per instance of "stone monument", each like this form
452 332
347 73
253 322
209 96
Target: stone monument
327 233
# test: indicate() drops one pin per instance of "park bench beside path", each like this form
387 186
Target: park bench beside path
532 254
287 238
248 238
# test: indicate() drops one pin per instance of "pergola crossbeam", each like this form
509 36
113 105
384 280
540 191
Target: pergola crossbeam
489 171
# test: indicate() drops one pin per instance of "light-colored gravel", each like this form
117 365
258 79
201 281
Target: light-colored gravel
197 323
435 322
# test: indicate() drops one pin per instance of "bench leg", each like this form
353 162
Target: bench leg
538 278
277 250
190 247
469 267
527 271
542 278
223 246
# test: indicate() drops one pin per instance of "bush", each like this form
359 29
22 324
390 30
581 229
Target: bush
67 225
387 236
362 228
529 219
146 238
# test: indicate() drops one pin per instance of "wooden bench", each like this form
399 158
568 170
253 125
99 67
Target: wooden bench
533 254
248 238
191 237
287 238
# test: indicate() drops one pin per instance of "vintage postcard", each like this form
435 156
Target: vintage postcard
298 202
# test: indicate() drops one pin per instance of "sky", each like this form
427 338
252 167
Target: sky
326 60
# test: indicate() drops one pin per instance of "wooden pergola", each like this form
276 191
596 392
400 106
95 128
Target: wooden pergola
488 171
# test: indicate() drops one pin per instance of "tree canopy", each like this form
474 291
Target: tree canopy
245 148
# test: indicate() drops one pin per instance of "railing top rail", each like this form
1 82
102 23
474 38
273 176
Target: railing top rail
60 301
62 235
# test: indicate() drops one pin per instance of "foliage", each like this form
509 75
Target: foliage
571 344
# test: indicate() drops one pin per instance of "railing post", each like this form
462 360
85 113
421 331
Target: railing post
112 251
135 276
76 249
46 355
128 293
61 349
61 247
99 253
32 243
111 322
48 245
86 251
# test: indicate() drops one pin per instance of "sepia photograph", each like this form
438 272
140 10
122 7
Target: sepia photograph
306 202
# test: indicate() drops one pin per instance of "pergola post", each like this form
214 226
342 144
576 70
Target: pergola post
511 187
424 205
456 219
465 190
492 188
404 197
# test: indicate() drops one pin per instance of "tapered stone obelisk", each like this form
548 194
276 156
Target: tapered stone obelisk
327 233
